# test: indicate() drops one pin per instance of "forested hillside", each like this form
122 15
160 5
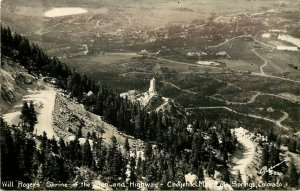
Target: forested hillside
172 150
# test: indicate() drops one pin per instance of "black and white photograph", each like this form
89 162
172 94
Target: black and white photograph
150 95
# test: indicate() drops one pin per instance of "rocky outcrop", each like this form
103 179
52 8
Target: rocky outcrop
14 82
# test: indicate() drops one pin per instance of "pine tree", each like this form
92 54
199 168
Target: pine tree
79 132
118 165
29 150
62 148
211 166
271 136
101 158
28 117
200 174
9 164
132 177
74 151
87 155
179 175
111 158
88 135
226 176
148 152
152 172
139 167
164 181
138 130
265 156
54 146
44 141
126 145
25 117
60 172
292 145
294 175
214 142
159 137
275 157
46 169
196 153
32 116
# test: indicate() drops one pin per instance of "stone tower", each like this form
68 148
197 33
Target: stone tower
152 88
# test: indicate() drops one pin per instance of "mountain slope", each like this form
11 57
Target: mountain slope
14 82
69 116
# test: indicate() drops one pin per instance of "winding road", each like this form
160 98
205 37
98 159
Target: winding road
263 65
177 87
277 122
252 99
262 73
265 44
228 40
135 72
44 101
241 165
276 77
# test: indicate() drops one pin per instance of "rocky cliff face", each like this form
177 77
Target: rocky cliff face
14 82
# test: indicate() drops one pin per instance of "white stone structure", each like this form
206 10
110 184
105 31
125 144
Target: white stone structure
152 88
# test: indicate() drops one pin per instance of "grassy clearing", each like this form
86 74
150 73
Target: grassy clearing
240 49
282 63
260 84
234 94
240 65
95 62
